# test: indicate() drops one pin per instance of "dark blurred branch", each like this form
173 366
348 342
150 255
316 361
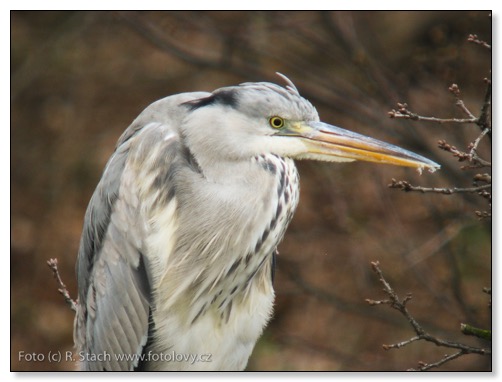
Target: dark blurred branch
289 268
53 265
344 32
400 305
484 121
488 291
151 33
313 84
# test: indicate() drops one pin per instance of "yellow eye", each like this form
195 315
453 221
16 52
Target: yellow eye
276 122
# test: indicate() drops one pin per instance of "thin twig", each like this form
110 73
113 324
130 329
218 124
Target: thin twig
474 39
406 186
401 344
400 305
395 302
423 366
460 103
473 155
461 155
415 117
475 144
404 113
455 90
53 265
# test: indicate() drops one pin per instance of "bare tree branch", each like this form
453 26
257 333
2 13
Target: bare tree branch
473 155
421 334
423 366
455 90
406 186
53 265
461 155
404 113
474 39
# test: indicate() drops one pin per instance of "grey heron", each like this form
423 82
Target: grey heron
177 251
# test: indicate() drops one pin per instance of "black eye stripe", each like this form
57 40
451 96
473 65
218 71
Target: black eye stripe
224 97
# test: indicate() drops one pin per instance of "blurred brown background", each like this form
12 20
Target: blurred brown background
79 78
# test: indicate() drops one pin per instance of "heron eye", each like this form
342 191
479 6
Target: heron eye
276 122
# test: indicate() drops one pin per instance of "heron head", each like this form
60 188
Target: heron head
259 118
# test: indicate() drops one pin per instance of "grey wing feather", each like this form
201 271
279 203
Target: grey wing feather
114 289
114 277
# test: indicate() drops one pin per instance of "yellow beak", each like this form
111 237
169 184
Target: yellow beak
331 143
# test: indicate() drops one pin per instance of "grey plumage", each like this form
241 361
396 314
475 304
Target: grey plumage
178 245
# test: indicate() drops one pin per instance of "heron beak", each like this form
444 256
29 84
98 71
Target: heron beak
331 143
